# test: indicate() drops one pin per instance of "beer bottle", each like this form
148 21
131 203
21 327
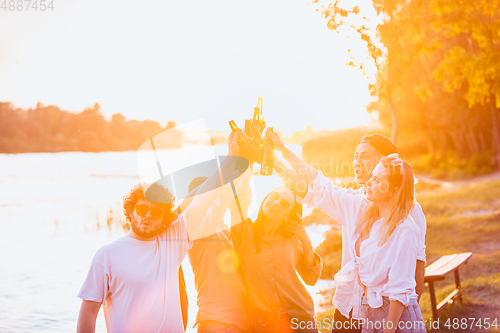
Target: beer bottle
243 143
235 128
257 116
266 168
257 111
254 134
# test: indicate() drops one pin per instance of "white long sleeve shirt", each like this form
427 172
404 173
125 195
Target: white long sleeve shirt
418 216
385 271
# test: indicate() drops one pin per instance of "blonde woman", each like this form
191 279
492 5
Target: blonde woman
385 239
381 236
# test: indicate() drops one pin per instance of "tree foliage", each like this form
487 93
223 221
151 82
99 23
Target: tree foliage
438 70
49 129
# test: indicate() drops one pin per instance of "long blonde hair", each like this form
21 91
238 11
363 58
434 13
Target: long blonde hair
400 205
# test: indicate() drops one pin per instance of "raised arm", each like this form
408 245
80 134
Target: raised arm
304 171
209 191
292 180
314 189
215 215
243 199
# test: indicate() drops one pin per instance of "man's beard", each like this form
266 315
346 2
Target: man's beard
151 233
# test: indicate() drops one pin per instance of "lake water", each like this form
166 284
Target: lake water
57 210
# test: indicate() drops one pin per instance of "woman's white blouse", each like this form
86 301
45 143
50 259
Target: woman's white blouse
418 216
385 271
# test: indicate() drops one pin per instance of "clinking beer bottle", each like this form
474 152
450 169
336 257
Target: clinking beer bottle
266 168
254 133
242 138
235 128
257 116
255 127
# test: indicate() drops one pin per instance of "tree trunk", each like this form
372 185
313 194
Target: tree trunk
458 140
430 135
394 135
474 146
495 133
470 138
442 146
482 141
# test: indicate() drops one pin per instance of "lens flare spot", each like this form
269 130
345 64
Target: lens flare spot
228 261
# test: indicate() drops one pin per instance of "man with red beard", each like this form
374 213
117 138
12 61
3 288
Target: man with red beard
136 278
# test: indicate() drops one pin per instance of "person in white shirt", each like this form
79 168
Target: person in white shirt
368 153
360 275
370 150
135 277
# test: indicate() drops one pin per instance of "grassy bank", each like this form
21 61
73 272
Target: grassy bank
332 152
462 218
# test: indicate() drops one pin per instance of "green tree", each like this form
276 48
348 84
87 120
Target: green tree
474 63
437 69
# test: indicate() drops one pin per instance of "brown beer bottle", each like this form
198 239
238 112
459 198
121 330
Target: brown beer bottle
235 128
243 143
257 116
255 127
266 168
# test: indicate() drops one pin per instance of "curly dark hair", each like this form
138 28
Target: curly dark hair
156 194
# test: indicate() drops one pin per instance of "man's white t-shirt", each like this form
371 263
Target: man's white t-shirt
138 282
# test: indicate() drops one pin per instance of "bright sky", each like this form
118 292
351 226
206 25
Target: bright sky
183 60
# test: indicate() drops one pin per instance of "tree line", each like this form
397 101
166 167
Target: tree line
50 129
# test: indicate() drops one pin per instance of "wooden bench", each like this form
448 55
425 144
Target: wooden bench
437 271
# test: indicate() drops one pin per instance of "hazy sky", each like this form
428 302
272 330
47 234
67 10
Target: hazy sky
183 60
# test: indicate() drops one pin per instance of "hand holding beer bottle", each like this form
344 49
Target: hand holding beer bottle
276 140
243 142
252 144
267 165
232 143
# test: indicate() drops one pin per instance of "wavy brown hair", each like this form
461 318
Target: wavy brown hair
157 194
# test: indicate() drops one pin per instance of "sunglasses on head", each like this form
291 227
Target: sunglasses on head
156 213
283 203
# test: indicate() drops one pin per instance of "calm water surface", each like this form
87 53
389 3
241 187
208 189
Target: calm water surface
56 211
